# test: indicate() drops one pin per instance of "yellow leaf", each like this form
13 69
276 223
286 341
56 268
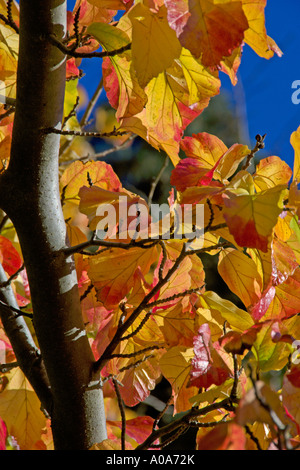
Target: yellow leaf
175 98
271 172
175 365
252 217
154 43
115 283
237 318
241 275
21 410
256 36
295 142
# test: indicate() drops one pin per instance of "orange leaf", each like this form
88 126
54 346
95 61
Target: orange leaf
252 217
115 283
208 29
241 275
225 436
270 172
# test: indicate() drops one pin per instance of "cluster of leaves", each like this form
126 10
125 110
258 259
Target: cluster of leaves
144 302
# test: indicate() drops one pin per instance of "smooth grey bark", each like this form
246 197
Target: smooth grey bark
29 194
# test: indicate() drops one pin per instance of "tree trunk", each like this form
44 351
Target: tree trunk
29 194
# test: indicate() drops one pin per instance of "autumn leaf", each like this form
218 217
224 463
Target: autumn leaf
112 4
9 257
9 44
107 444
114 284
210 30
137 429
120 82
207 158
295 142
175 98
271 172
154 43
175 365
241 275
238 319
237 343
3 435
225 436
286 300
21 410
256 36
294 375
252 217
208 367
139 381
92 11
290 400
270 354
255 406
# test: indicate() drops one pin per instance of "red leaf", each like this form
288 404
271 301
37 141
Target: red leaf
9 257
207 366
294 376
3 435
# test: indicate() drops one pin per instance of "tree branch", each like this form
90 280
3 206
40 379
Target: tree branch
85 55
27 354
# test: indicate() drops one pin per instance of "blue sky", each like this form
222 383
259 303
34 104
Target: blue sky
265 85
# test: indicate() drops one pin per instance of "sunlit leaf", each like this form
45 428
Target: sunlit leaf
210 30
225 436
208 367
21 410
175 365
154 43
241 275
252 217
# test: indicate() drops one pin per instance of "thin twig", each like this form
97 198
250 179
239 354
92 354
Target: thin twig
7 367
161 414
114 133
86 55
16 310
143 243
83 121
136 353
71 113
122 412
12 277
258 146
174 297
157 179
9 21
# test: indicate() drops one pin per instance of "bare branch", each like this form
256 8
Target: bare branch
157 179
122 412
258 146
113 133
